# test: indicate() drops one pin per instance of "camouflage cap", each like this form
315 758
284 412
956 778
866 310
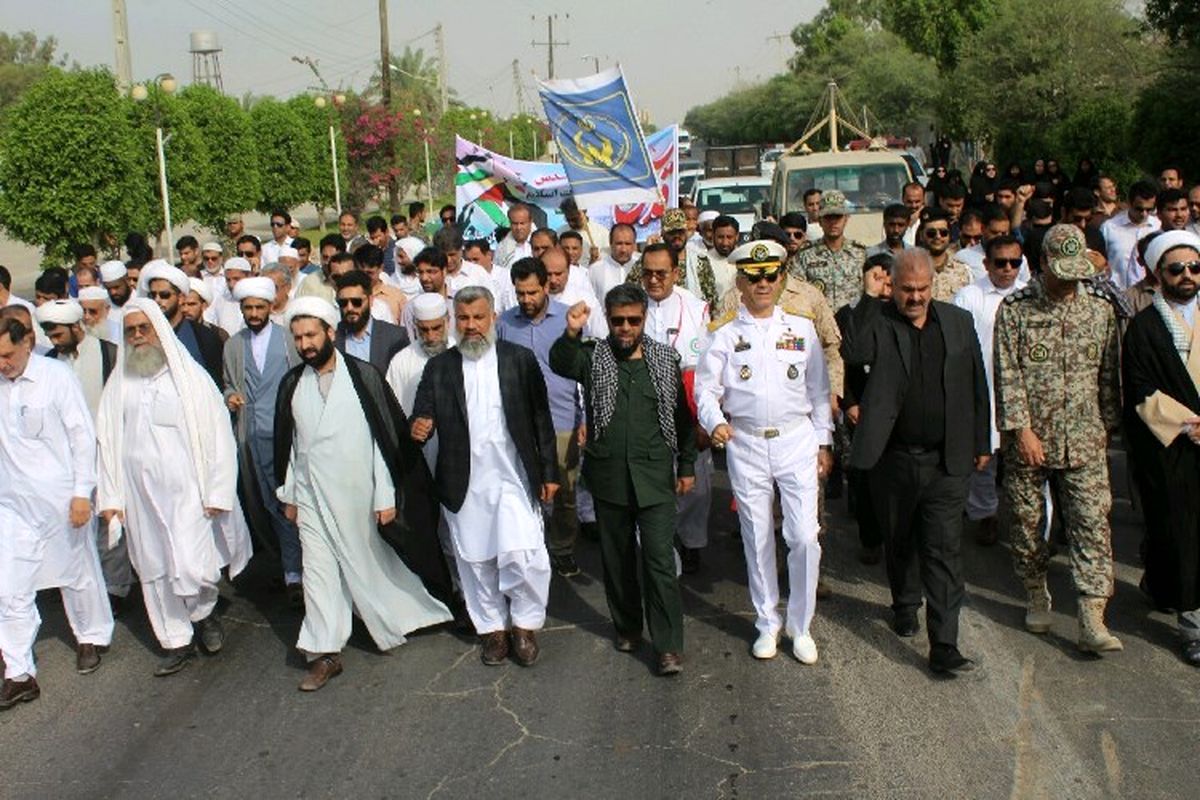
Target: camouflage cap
674 220
1065 251
833 204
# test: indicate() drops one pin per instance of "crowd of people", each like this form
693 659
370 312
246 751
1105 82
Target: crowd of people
420 428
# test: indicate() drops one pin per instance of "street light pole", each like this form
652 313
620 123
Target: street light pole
319 102
428 166
166 82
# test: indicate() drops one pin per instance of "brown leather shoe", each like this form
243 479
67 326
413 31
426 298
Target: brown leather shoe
320 670
670 664
627 644
87 659
524 647
494 649
15 692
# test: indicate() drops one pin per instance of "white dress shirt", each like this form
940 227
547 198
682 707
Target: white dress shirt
982 300
1121 238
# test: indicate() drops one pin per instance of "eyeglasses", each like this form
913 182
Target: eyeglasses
1143 209
967 238
353 302
937 233
447 220
142 329
166 294
1006 263
617 322
212 258
279 224
770 276
1176 269
246 253
795 234
656 274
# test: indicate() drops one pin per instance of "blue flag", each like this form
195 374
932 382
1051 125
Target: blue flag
599 140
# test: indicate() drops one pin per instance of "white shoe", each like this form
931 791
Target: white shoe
765 645
804 649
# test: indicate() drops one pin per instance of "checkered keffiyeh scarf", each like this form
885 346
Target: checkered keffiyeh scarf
1179 336
662 362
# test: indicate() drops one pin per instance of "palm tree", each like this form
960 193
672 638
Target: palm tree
414 76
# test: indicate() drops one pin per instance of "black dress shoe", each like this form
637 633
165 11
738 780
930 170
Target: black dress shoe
1191 653
87 659
14 692
565 566
175 660
689 560
905 624
946 660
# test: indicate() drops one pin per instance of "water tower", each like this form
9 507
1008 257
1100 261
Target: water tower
206 59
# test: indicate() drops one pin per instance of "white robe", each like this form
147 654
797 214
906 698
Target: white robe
404 376
336 491
88 366
497 515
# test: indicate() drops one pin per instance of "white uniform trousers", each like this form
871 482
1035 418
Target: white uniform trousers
756 465
509 590
171 616
691 521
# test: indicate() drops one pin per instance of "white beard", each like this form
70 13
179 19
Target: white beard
145 361
477 349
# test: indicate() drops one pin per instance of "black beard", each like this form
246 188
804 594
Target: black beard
322 356
622 351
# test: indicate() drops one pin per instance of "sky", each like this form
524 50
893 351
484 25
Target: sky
675 55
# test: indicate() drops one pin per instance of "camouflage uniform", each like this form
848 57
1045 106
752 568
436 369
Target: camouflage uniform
837 273
954 276
1056 371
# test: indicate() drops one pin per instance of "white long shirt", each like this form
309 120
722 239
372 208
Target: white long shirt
680 321
982 300
1121 238
973 257
607 273
596 326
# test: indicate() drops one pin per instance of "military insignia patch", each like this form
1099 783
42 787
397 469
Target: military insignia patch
744 373
1093 350
1039 353
760 253
741 345
793 373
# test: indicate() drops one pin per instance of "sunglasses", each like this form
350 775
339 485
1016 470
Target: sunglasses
617 322
212 258
1006 263
796 234
163 295
937 233
353 302
770 276
1176 269
966 237
275 224
656 274
447 220
246 253
142 329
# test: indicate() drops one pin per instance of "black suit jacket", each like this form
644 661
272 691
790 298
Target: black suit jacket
386 340
879 342
856 376
212 351
441 397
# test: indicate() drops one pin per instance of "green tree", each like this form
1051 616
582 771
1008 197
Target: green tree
23 61
317 122
287 157
1168 110
187 159
1035 64
414 82
69 171
230 182
937 28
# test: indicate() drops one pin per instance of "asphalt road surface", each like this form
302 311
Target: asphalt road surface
1039 720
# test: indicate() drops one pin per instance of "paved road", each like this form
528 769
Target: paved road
868 720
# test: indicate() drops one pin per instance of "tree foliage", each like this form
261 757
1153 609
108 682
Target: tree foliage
68 163
229 183
24 59
186 156
287 155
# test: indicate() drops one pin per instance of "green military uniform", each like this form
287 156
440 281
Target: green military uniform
949 279
1056 372
630 470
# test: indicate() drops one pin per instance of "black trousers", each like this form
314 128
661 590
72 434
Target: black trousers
920 509
869 534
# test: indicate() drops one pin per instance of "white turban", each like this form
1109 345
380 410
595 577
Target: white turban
94 293
257 287
159 270
59 312
238 263
112 271
429 306
708 216
312 307
211 247
201 288
1165 242
411 245
287 251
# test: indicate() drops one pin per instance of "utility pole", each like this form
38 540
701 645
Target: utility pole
779 39
385 90
550 44
121 42
518 90
439 36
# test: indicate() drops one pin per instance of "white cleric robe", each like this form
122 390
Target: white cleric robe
336 491
88 366
404 375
